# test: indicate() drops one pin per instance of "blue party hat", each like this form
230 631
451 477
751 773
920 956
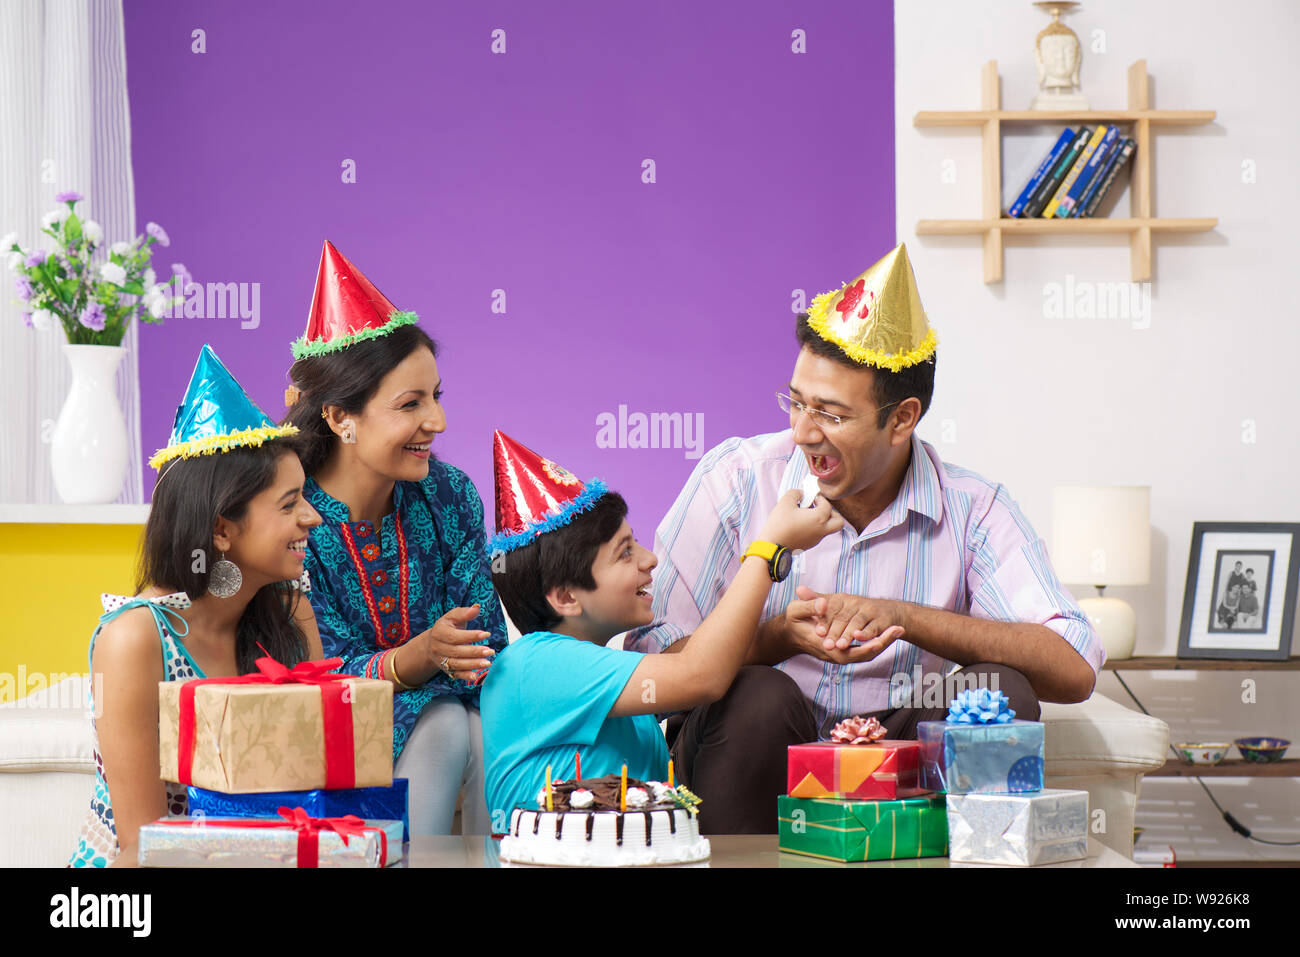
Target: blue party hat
216 415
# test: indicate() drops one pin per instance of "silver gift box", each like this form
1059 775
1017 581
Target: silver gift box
205 844
1024 829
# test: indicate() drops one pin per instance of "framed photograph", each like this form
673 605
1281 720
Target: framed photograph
1240 599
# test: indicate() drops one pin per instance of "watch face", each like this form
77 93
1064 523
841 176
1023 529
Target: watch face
782 560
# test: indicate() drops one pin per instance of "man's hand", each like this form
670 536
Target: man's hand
844 629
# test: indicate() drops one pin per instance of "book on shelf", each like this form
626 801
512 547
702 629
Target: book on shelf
1122 155
1047 188
1107 158
1086 176
1049 211
1044 169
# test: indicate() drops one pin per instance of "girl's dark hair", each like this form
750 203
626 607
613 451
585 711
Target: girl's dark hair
178 550
563 557
348 379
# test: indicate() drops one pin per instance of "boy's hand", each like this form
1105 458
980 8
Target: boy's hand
796 527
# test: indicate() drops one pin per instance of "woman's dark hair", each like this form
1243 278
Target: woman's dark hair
348 379
178 550
887 388
557 559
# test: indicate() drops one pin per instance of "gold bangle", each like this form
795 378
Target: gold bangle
392 669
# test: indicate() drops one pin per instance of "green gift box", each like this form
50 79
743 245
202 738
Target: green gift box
847 830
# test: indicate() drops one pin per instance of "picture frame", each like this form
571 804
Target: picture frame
1240 598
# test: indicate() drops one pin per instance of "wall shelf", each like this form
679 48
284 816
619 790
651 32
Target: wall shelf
73 514
1140 227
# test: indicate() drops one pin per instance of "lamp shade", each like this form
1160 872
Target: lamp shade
1101 535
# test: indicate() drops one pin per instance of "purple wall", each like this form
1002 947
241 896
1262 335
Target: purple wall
522 172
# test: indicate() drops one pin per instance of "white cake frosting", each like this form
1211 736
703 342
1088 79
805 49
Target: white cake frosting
585 831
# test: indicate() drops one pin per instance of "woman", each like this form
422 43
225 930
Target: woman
226 533
400 581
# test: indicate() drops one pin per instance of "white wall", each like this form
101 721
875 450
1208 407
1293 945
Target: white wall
1035 402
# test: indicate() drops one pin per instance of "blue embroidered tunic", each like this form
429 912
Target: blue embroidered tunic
441 543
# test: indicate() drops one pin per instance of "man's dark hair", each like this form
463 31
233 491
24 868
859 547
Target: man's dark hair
556 559
887 388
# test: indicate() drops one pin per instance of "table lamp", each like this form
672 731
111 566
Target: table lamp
1102 536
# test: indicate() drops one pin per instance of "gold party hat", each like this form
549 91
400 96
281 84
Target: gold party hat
877 319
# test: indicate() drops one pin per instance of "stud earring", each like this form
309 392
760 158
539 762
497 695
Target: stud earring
349 434
225 578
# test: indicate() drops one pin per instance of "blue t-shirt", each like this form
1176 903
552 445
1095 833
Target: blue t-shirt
547 696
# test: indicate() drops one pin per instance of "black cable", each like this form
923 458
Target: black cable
1231 821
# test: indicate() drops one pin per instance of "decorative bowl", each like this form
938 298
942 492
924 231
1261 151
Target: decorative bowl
1201 752
1262 749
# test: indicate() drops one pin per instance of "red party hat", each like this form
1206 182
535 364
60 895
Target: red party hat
534 495
346 308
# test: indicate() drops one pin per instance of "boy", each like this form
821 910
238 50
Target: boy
572 576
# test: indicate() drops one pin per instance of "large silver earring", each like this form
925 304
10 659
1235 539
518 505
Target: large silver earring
225 578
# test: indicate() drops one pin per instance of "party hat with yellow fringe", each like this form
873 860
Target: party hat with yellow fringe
877 319
216 415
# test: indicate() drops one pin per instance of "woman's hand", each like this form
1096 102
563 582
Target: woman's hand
453 649
796 527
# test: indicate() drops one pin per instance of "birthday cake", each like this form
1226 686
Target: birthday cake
602 822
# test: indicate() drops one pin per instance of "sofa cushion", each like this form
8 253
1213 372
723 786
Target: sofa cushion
48 731
1100 736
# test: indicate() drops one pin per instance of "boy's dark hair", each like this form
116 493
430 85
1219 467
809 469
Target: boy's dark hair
556 559
348 379
887 388
188 497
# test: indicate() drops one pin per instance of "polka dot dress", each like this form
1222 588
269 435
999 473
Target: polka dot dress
98 846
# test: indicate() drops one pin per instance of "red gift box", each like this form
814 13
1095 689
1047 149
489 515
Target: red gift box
883 771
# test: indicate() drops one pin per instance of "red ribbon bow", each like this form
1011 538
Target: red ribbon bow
336 714
308 829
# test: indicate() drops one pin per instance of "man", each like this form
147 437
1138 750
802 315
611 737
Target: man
935 567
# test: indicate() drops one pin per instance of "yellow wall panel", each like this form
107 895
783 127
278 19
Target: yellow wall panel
52 576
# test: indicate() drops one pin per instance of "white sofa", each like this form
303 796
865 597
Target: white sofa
47 768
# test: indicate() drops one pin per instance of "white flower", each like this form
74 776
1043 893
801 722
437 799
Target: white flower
93 232
16 259
150 277
54 216
7 243
112 272
121 248
43 319
156 301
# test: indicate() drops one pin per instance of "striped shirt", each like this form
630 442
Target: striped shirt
951 539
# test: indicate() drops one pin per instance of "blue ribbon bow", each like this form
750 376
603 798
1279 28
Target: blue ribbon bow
980 706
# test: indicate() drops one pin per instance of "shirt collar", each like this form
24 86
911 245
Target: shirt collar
921 491
331 508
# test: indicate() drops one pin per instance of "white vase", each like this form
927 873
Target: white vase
89 447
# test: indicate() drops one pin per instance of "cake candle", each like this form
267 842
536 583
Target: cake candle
622 790
670 772
577 761
549 805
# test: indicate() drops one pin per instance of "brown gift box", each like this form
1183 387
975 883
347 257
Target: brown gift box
270 737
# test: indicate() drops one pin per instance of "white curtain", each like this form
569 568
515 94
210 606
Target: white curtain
64 125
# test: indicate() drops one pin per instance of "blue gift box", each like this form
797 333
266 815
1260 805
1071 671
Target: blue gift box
981 758
371 804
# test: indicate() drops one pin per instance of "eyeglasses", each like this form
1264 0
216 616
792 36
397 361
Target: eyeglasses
823 420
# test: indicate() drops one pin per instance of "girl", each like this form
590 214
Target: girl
226 533
399 567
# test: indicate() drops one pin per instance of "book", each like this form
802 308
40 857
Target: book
1044 168
1122 157
1085 154
1108 160
1090 167
1043 194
